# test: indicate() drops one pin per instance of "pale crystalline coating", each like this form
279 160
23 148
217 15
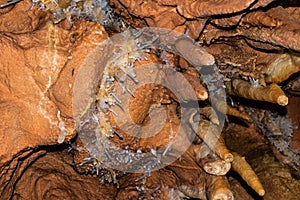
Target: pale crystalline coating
109 68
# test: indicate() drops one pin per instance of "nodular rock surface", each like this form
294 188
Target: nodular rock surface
39 61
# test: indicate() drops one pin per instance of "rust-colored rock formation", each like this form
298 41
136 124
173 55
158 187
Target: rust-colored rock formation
78 116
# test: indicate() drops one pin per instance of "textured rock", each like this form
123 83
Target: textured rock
194 9
264 28
37 71
51 177
39 62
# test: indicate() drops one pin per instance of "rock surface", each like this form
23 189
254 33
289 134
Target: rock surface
39 62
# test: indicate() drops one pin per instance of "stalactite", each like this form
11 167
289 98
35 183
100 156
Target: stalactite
210 162
272 93
210 134
282 68
223 107
218 188
240 165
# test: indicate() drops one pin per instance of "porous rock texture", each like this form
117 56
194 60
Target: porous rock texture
39 61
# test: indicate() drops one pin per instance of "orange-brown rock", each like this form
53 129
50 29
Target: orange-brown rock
51 176
195 9
38 64
266 30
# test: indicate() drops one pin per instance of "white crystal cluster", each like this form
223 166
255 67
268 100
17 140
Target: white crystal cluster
94 10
